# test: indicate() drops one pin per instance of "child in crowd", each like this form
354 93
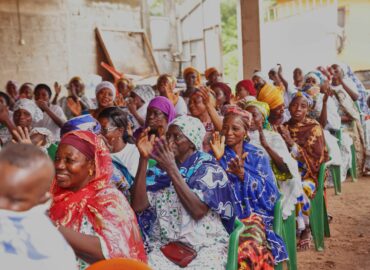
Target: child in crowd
28 239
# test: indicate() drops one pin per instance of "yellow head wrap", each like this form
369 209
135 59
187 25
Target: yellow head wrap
189 70
271 95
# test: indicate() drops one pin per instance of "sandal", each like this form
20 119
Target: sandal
304 244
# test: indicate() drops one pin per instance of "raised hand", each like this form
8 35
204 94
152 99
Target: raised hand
57 88
206 94
218 145
236 166
43 105
21 135
145 144
284 132
163 154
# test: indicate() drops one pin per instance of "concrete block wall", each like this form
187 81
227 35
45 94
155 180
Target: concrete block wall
59 37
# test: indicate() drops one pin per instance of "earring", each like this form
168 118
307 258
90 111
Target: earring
91 172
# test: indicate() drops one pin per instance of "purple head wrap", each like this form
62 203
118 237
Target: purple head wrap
164 105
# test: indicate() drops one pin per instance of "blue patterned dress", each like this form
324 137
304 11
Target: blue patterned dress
257 194
167 220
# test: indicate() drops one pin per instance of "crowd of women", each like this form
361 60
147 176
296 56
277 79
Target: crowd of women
150 172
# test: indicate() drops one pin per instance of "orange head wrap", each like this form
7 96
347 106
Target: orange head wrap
209 72
189 70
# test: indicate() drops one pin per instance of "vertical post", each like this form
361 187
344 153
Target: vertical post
251 37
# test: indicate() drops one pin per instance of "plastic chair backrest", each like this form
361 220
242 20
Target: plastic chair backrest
119 264
232 256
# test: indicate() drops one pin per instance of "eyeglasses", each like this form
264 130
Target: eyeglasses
106 130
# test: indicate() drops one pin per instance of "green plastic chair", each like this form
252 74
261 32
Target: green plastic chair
290 239
336 175
232 255
52 150
319 216
352 170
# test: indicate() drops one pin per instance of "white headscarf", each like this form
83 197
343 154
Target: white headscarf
49 138
31 107
103 85
145 92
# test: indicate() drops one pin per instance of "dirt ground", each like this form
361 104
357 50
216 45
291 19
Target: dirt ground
349 244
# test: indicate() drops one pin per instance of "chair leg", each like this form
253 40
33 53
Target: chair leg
335 172
353 170
290 239
326 221
317 221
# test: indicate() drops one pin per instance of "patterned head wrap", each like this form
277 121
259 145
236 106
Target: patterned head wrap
262 107
316 75
311 90
83 122
189 70
192 128
145 92
31 107
271 95
233 109
209 72
305 96
105 85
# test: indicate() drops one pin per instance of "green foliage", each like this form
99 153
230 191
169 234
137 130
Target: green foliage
229 36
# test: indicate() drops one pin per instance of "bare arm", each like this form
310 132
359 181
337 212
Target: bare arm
139 197
191 202
85 246
215 118
44 106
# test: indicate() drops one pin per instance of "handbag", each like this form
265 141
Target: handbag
179 253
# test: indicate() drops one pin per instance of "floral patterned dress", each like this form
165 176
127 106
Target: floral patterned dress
167 220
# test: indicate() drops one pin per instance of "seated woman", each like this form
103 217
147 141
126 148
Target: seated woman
253 182
105 93
245 91
76 102
192 79
26 114
325 111
274 97
93 216
190 200
166 85
53 115
342 88
124 87
83 122
285 167
200 106
5 113
212 76
160 112
124 153
26 90
222 93
138 104
305 139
